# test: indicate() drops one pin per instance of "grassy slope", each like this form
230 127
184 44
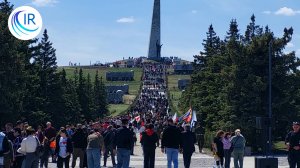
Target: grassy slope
114 109
174 92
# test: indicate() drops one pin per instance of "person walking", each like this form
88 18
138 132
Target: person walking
226 146
188 145
79 140
200 131
63 149
93 151
16 145
50 133
46 153
238 142
292 142
171 143
218 148
109 136
122 142
149 140
28 148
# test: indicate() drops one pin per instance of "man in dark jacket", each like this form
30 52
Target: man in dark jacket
200 131
122 142
109 136
149 140
292 142
79 140
171 142
188 145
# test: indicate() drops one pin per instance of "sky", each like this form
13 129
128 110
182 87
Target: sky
84 31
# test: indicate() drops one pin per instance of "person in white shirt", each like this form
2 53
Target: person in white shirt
28 148
63 149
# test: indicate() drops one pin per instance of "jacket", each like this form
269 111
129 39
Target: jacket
188 141
171 138
79 139
123 138
69 145
149 139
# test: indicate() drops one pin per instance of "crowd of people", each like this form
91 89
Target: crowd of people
22 146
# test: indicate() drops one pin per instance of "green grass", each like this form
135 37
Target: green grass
117 109
279 145
133 85
174 92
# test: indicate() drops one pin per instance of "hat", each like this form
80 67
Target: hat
296 123
237 130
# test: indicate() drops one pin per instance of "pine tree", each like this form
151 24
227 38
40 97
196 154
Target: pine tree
82 95
211 47
13 62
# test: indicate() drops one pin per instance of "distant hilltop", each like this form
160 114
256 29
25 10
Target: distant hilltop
132 62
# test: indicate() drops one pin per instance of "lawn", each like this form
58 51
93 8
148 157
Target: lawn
174 92
117 109
134 86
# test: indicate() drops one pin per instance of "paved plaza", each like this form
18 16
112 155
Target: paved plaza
198 160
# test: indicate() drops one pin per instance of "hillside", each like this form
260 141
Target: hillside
134 86
174 92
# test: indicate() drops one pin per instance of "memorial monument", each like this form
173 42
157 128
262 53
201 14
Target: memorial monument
154 52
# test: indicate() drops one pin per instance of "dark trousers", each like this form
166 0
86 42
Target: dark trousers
44 161
187 159
109 149
132 147
294 160
227 155
78 152
61 161
18 161
200 141
31 160
149 157
221 156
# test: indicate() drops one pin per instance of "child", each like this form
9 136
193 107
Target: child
46 153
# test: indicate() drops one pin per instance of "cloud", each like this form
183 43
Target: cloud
287 11
290 45
126 20
194 11
42 3
267 12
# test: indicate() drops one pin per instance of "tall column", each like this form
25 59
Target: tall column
154 52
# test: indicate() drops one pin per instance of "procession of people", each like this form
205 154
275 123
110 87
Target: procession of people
148 123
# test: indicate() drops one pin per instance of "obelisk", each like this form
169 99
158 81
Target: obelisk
154 52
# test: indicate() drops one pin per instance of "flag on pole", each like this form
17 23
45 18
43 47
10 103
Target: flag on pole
188 116
174 118
194 119
185 116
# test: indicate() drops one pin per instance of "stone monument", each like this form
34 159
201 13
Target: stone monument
154 52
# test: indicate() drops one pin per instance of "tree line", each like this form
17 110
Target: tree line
229 86
34 90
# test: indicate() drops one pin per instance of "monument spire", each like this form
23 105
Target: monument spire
154 52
